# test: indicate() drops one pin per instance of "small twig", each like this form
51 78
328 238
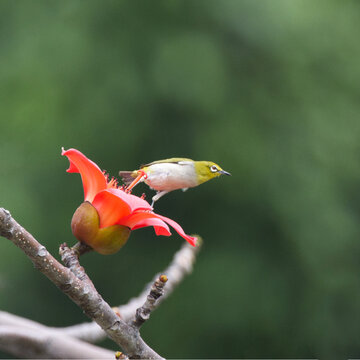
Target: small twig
81 248
85 296
70 258
143 313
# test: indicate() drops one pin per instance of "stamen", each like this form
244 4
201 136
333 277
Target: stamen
112 184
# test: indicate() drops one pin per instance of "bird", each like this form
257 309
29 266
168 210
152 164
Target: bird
172 174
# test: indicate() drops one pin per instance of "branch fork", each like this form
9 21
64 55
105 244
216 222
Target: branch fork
75 283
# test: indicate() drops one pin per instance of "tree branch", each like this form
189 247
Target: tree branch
82 294
70 257
44 345
26 338
180 266
143 313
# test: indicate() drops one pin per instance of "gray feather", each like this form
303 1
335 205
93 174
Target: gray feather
126 177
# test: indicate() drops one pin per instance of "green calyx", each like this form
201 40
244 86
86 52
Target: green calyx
85 227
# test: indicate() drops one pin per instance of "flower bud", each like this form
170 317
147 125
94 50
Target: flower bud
85 223
85 227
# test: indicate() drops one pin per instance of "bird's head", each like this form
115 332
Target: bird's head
207 170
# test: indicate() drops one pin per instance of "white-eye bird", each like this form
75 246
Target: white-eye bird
172 174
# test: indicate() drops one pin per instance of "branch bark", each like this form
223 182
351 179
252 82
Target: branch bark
143 313
26 338
85 296
70 257
23 342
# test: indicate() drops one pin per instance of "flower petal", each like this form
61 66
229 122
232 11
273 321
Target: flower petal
92 177
161 230
143 219
111 208
190 239
137 220
135 202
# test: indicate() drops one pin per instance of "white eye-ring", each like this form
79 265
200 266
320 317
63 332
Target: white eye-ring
214 168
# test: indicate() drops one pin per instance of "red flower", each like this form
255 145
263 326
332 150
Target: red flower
109 213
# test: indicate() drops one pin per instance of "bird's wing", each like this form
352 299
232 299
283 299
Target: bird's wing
180 161
127 177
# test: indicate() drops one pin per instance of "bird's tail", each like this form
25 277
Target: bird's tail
127 176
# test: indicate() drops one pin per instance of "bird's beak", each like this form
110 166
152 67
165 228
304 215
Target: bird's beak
223 172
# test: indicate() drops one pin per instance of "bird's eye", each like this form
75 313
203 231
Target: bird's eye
214 168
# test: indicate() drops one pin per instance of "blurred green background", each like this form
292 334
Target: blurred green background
269 89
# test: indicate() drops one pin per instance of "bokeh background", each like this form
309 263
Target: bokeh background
269 89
